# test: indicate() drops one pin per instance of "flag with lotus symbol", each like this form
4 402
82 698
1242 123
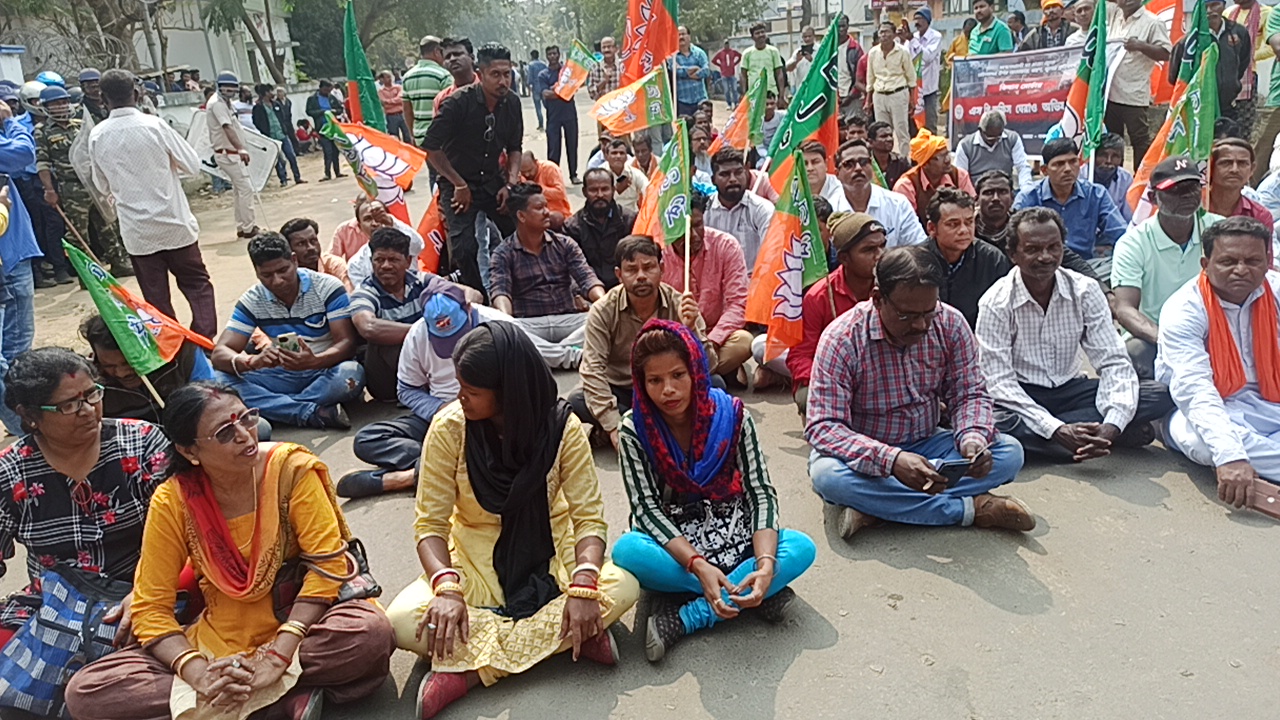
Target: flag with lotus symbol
745 127
664 214
642 104
383 165
575 70
811 114
791 258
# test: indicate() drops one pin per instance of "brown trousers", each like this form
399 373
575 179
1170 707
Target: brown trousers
187 267
347 654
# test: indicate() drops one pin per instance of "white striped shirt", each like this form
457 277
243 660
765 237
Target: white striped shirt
1021 343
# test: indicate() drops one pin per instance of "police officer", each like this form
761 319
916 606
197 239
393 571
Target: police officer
64 189
89 78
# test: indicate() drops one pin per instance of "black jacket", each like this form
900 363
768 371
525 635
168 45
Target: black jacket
979 268
263 123
599 240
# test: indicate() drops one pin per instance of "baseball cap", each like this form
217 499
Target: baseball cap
1046 4
1173 170
444 309
7 93
848 228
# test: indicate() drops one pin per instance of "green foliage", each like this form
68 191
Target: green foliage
316 25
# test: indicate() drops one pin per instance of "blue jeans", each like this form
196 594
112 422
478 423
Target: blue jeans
398 128
889 499
19 312
730 87
286 147
639 554
292 397
537 105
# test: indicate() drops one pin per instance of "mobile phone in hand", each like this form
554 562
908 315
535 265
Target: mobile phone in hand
289 341
953 470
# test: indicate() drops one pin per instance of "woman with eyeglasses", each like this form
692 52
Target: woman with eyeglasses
239 511
74 492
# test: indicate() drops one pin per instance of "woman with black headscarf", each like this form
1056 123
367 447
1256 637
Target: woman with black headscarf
508 482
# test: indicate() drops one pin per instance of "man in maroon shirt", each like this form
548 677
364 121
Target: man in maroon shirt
726 61
858 240
1232 168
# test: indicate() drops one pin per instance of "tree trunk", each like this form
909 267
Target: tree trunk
271 32
164 49
806 13
265 52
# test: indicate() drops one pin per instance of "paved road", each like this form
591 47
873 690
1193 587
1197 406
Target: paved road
1137 596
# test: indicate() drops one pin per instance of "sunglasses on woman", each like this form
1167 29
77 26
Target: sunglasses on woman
90 397
227 432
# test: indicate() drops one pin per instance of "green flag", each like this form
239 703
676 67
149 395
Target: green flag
147 337
812 112
1094 63
1195 43
362 91
1191 132
664 215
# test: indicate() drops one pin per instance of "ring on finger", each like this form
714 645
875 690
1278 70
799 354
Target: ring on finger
928 485
432 626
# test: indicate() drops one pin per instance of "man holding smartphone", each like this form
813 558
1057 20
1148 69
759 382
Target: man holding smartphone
881 376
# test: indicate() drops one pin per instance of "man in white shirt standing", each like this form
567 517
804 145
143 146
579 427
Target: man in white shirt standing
891 84
892 210
1220 356
229 151
140 160
821 183
1032 324
926 47
1146 42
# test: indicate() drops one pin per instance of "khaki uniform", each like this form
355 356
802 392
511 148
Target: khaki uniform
53 153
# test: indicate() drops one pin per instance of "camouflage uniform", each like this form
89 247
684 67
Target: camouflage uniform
53 150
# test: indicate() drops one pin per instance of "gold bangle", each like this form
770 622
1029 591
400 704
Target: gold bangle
448 587
584 593
181 661
292 629
303 628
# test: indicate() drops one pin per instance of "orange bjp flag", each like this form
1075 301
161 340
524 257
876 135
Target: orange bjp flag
650 37
432 229
642 104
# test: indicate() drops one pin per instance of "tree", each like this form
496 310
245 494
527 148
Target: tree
66 35
226 15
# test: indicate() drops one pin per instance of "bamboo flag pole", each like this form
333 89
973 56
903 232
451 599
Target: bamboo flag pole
84 245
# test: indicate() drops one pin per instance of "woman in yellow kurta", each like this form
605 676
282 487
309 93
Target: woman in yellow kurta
510 529
237 510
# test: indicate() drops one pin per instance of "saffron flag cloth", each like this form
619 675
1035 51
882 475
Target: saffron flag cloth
664 214
745 126
147 337
575 70
1172 15
1188 128
644 103
791 258
383 165
362 91
431 228
811 114
650 37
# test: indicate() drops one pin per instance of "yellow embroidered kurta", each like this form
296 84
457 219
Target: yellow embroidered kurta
447 508
228 625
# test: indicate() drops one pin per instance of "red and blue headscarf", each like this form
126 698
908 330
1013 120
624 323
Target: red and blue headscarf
710 470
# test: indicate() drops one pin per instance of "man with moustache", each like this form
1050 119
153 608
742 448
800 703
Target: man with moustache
1232 165
599 225
890 209
614 321
742 214
995 201
1032 325
1152 260
460 61
562 117
1051 33
881 376
972 265
1220 356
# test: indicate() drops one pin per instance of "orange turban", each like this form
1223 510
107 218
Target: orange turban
925 145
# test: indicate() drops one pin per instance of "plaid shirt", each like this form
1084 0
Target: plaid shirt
867 396
542 284
603 79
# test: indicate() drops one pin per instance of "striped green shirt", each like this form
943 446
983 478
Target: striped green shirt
420 86
644 489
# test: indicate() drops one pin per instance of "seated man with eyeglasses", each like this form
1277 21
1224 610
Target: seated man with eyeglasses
881 375
892 210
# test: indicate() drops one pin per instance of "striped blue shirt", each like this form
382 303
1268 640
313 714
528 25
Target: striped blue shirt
321 300
372 297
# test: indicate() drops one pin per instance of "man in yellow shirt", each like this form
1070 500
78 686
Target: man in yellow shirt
891 82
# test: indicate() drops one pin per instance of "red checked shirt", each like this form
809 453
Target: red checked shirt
868 397
718 274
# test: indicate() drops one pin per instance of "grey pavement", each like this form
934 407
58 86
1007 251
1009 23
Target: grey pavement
1138 595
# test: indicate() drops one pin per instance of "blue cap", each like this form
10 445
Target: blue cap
7 93
925 13
53 93
445 313
90 75
228 78
151 86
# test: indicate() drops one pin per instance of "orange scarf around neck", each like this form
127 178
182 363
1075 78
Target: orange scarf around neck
1224 356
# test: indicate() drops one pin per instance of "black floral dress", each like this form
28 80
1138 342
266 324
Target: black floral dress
98 530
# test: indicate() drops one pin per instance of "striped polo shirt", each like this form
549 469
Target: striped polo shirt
420 86
372 297
321 300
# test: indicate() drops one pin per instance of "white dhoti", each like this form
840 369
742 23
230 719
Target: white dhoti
1255 422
